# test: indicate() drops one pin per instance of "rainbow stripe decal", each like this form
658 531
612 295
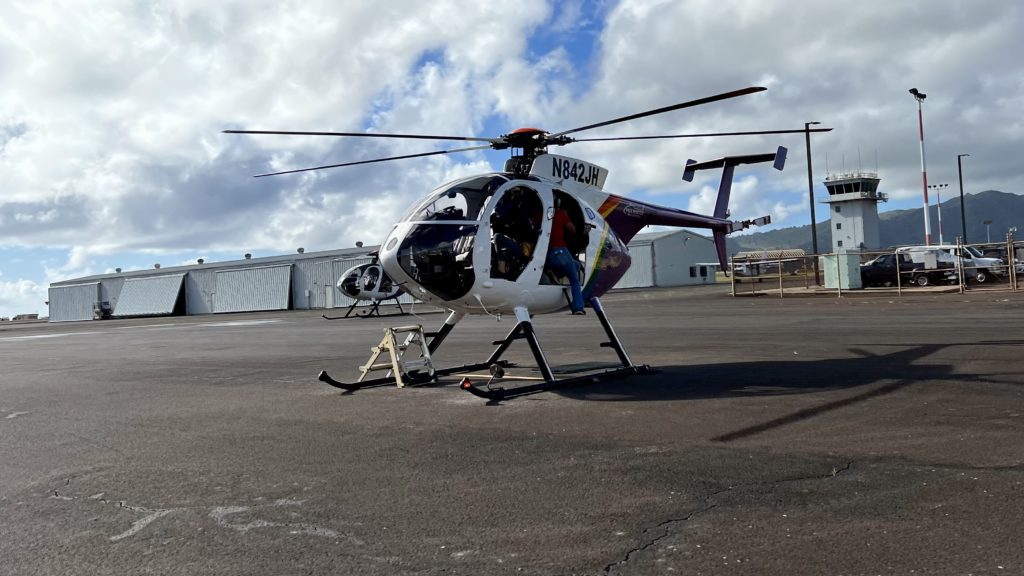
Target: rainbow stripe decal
609 205
611 260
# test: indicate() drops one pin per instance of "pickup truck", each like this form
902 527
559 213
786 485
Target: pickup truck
882 272
977 268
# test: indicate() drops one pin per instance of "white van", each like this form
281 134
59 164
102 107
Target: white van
976 266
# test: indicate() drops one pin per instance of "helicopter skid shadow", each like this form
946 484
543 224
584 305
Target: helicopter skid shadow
775 378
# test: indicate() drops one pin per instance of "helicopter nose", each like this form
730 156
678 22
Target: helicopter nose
389 249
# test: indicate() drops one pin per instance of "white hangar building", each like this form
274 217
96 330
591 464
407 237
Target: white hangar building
306 280
291 282
671 258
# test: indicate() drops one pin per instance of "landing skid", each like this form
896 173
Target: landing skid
523 330
412 378
373 311
497 394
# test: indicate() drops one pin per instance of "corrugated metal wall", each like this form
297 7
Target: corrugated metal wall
406 298
110 289
68 303
316 276
200 287
641 271
676 255
253 289
152 296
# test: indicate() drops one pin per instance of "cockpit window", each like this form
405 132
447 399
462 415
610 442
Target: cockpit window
440 258
515 228
370 278
350 283
461 200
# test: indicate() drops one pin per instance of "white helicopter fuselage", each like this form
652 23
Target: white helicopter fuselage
448 251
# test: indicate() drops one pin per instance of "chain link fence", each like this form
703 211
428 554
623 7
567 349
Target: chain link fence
990 266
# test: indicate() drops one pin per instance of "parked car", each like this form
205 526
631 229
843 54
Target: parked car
1001 253
882 272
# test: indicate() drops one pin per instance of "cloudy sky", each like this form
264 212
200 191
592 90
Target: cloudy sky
111 112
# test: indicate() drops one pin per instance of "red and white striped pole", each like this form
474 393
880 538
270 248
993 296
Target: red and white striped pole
920 96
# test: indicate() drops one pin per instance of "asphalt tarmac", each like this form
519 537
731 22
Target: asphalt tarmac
862 435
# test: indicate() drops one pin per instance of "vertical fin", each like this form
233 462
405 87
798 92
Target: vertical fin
724 190
723 259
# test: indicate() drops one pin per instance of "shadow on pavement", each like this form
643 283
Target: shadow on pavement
773 378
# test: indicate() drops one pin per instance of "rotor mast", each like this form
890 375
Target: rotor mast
530 143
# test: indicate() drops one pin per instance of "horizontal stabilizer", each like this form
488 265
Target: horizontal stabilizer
778 160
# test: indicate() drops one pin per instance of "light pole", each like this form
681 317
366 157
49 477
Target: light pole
810 195
963 213
988 230
920 96
938 202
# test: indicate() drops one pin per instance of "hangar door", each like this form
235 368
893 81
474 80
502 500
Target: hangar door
153 296
253 289
74 302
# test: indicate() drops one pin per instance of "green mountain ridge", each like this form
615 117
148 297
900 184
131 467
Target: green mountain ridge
906 227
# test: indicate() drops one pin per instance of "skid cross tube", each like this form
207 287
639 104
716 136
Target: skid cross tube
524 330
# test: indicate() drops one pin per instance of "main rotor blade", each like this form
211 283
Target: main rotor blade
691 103
704 135
364 135
375 160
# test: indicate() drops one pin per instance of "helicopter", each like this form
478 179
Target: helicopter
455 248
368 282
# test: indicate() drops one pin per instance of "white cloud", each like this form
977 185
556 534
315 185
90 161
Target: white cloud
847 65
21 297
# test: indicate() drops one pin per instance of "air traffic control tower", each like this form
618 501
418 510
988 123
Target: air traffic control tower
853 198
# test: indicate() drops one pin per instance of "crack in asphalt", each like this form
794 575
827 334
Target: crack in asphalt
665 526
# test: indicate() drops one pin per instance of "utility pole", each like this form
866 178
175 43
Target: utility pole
810 195
963 213
920 96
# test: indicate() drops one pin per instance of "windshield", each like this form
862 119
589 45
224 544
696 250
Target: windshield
350 283
462 200
440 258
974 252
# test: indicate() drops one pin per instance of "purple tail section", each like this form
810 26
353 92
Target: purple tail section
626 217
724 191
723 254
